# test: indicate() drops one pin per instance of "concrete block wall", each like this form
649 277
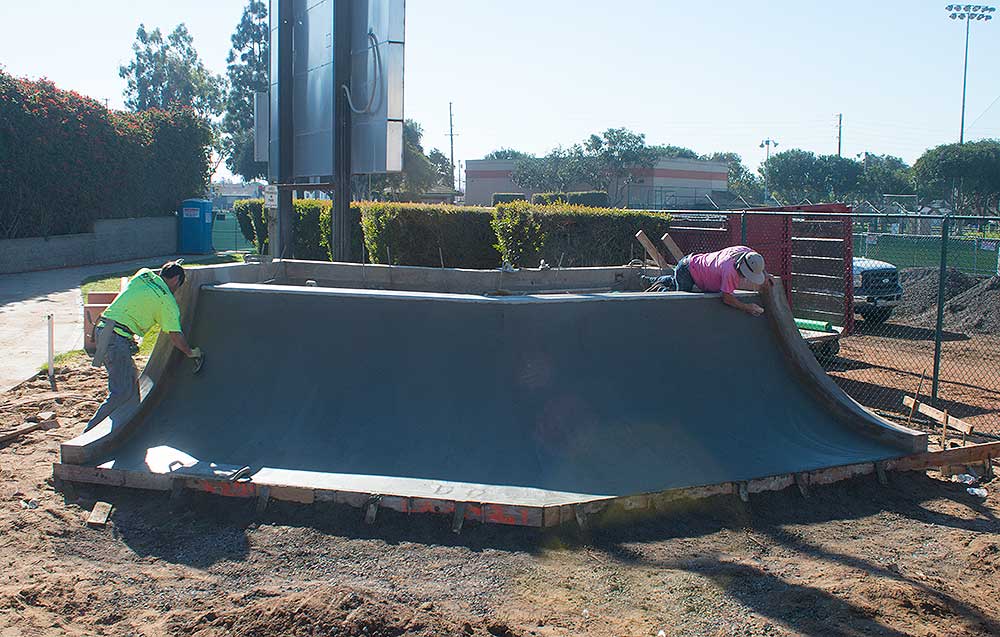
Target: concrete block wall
111 240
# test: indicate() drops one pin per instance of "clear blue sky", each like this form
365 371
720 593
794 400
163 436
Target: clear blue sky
533 75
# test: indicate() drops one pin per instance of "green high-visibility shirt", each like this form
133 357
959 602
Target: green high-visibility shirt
146 300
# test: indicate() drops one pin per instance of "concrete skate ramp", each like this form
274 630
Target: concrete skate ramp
535 400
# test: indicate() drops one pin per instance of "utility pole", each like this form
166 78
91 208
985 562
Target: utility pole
451 135
968 13
840 131
767 143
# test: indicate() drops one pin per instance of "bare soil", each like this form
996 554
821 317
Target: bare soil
919 557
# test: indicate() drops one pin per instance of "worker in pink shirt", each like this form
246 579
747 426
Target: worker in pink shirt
736 267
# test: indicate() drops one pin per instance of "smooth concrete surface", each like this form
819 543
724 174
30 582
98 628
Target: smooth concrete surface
27 298
603 394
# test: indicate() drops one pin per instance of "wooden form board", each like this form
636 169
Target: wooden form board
651 250
533 515
938 415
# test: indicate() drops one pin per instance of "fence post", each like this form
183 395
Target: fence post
743 228
938 330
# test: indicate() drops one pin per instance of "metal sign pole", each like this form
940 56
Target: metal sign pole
340 237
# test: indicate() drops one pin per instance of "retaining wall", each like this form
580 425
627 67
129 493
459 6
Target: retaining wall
111 240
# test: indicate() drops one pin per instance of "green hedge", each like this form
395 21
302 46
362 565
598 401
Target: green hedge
465 236
591 198
548 198
427 234
310 227
66 160
507 197
577 236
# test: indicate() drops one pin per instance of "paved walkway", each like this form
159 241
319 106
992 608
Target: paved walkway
27 298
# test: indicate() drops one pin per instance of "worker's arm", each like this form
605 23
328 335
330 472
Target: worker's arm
177 338
750 308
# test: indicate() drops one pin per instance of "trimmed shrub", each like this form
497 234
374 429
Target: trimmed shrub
548 198
572 235
427 234
311 229
90 162
507 197
589 198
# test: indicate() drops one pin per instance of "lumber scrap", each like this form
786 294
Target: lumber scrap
651 250
26 428
672 247
938 416
99 515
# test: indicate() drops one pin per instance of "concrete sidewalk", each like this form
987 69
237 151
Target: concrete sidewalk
27 298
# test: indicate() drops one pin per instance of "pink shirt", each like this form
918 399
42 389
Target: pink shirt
716 271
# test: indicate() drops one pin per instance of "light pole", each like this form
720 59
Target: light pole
767 143
969 13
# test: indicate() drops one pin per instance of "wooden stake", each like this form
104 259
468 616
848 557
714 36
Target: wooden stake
916 399
99 515
672 247
651 250
944 430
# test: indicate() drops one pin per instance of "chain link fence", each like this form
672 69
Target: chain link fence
905 330
226 235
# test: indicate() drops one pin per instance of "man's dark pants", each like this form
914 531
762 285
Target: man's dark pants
122 375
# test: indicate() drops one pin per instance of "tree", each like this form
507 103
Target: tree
883 175
967 174
168 74
742 182
444 168
666 151
792 175
418 174
616 154
506 153
559 171
837 178
247 69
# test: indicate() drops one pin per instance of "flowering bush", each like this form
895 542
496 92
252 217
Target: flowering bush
66 160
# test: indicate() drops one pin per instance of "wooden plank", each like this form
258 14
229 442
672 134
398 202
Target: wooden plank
817 229
818 301
817 283
651 250
937 415
958 455
830 248
99 515
826 266
26 429
672 247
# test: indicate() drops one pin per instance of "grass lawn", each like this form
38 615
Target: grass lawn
110 283
65 358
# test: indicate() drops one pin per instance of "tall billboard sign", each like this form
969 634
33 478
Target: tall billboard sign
335 103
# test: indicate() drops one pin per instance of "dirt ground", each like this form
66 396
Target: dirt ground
918 557
878 365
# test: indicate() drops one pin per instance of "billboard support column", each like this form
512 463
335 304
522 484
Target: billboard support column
340 237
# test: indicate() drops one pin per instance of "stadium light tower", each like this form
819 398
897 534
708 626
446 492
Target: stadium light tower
767 143
970 13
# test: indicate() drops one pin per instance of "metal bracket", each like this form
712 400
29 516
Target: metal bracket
581 517
744 492
459 518
263 496
372 509
883 479
988 468
802 481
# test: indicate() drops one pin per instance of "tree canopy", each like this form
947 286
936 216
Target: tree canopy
247 68
167 73
967 174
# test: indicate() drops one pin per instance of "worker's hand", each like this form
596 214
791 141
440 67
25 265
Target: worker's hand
754 310
196 353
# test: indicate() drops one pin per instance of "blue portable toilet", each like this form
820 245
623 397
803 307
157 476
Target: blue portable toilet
194 227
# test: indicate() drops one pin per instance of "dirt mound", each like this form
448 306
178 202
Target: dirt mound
920 289
975 310
335 611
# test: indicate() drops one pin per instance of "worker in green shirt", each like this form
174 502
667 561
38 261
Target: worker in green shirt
148 300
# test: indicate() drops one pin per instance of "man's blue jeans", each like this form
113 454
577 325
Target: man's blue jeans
122 386
680 280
